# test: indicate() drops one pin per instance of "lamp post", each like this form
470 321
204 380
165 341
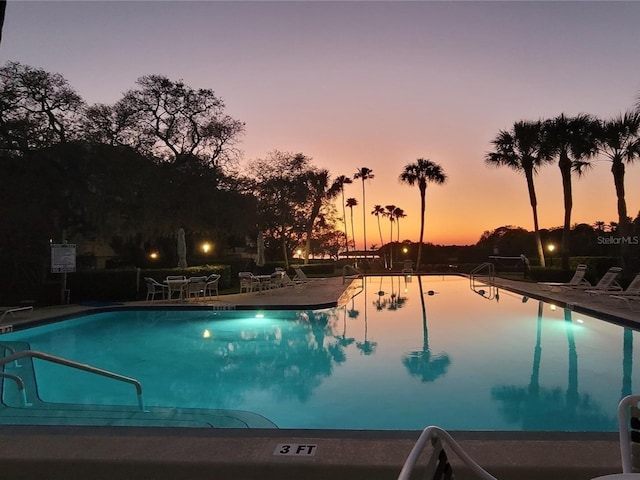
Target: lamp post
551 247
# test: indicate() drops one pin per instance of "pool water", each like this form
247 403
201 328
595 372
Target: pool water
403 353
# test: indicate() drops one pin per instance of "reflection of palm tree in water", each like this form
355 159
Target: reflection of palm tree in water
538 408
366 346
343 340
421 363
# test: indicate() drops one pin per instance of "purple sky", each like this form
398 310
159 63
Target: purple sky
375 84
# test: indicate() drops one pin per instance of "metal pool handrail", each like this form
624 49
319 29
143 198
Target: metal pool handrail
20 382
80 366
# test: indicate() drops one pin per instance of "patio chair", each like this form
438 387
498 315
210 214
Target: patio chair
607 284
212 285
177 284
576 280
154 288
277 280
196 287
248 282
407 267
629 430
438 466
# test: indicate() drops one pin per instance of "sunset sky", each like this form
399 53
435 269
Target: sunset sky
370 84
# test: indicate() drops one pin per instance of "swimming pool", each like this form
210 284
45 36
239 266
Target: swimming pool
403 353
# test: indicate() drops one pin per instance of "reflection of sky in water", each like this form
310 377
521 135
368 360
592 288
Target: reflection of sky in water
377 363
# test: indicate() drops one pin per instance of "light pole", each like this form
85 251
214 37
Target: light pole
551 247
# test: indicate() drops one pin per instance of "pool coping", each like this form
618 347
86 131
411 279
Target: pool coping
163 453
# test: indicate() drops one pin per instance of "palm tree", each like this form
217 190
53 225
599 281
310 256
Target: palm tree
339 183
421 172
378 211
521 150
619 141
398 213
364 173
572 142
317 183
389 213
352 202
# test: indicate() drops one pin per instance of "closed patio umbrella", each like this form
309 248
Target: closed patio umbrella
182 249
260 261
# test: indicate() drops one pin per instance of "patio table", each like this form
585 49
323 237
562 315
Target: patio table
179 286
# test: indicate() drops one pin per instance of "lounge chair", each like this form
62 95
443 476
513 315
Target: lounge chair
607 284
12 311
630 295
287 281
212 285
576 280
301 277
438 466
154 288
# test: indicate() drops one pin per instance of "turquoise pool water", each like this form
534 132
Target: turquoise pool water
403 353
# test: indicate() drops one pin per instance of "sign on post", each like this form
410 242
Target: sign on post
63 257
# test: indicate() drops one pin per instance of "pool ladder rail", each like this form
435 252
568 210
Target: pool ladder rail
17 355
482 281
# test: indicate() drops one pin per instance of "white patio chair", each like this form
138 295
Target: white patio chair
154 288
248 282
407 267
196 287
438 466
177 284
211 285
629 429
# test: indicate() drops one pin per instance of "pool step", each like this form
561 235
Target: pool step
114 415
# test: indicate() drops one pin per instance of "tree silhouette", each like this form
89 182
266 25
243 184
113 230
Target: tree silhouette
339 183
378 211
521 149
352 202
364 173
421 172
572 140
619 141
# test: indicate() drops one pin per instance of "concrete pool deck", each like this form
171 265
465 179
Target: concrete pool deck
186 453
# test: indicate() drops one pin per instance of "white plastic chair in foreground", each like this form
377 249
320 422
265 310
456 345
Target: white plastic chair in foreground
629 425
438 466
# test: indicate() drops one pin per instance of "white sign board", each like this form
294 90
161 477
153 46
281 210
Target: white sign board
63 257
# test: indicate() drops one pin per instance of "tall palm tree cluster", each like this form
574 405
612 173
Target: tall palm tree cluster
572 143
419 173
